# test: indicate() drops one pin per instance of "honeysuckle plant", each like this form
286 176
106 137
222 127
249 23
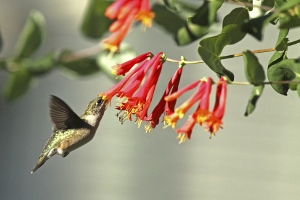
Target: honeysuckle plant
110 21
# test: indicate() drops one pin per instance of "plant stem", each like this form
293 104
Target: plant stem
84 53
225 57
265 83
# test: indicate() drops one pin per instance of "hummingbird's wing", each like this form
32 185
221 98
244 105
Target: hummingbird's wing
62 116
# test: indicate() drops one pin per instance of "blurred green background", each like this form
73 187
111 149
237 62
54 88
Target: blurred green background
251 158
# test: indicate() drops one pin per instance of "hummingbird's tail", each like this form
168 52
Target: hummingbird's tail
40 162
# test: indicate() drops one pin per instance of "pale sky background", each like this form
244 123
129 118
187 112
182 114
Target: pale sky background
255 157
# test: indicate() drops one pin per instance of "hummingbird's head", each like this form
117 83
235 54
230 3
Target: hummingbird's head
96 106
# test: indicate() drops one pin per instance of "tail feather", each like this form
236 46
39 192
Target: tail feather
40 162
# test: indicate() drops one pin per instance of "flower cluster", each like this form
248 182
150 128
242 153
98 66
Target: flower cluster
125 12
209 120
135 93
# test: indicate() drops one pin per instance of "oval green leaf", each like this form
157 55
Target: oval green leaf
255 94
164 16
94 23
211 48
82 67
198 25
31 36
17 84
285 70
44 64
1 42
253 69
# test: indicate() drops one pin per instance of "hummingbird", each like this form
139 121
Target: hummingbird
69 130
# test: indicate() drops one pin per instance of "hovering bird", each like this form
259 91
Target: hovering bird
69 130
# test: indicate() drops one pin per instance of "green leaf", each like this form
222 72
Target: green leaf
232 25
268 3
94 23
211 48
198 25
283 5
1 42
210 51
288 13
42 65
255 94
82 67
282 41
255 26
17 84
31 36
253 69
287 20
163 17
298 90
3 64
290 21
284 10
277 57
285 70
170 4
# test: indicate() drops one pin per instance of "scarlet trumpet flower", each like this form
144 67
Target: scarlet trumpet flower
134 97
135 93
214 122
164 106
126 11
211 121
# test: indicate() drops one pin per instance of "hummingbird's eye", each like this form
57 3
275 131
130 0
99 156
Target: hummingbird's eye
99 102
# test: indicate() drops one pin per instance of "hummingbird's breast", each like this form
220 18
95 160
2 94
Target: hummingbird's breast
79 138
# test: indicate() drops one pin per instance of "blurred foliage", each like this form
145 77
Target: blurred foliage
1 42
94 24
184 22
31 36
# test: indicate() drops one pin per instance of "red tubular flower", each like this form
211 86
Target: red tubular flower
145 15
185 131
126 11
132 6
180 92
113 10
171 120
135 97
202 112
110 93
114 40
139 103
197 96
134 83
122 69
163 106
213 123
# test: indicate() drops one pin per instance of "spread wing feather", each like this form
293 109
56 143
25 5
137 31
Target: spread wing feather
62 116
